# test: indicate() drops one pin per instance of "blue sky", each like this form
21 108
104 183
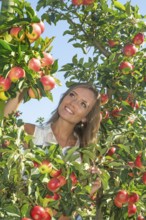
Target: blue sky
64 52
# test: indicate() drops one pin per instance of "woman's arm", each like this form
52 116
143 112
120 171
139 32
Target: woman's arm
13 104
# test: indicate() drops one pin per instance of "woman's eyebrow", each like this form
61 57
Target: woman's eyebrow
78 95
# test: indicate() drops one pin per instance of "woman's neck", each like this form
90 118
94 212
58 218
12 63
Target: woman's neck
64 133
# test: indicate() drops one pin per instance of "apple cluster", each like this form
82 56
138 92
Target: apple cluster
37 64
82 2
56 181
122 197
129 50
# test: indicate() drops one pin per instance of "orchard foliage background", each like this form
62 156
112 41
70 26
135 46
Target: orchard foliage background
103 28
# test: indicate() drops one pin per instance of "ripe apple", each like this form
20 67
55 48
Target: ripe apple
55 196
42 26
126 67
62 180
122 196
55 173
129 50
77 2
138 162
113 43
34 64
117 203
45 167
34 32
73 178
16 73
5 84
3 96
134 104
111 151
15 32
140 217
144 178
131 209
47 59
104 99
38 213
54 184
133 198
138 39
88 2
116 112
34 93
48 82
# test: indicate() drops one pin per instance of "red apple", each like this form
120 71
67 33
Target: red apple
144 178
15 32
140 217
117 203
134 104
111 151
42 26
49 214
126 67
48 82
55 173
45 167
131 209
116 112
38 213
129 50
104 99
55 196
5 84
62 180
122 196
16 73
47 59
113 43
54 184
77 2
138 162
34 32
88 2
73 178
34 64
133 198
138 39
34 93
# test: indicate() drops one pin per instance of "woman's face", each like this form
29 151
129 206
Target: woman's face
76 105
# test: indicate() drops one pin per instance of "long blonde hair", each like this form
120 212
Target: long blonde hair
86 132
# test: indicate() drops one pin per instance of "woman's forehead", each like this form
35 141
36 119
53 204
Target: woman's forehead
84 93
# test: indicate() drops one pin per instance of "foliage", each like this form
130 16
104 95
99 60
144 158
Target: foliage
90 28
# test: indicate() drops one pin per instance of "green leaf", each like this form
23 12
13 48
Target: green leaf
4 45
119 6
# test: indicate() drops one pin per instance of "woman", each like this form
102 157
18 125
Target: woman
74 123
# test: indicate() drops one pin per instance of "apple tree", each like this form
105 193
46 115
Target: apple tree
42 183
112 36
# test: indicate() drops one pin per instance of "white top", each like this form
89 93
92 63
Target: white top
43 135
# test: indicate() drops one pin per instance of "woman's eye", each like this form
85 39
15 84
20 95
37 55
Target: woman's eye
83 104
71 94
